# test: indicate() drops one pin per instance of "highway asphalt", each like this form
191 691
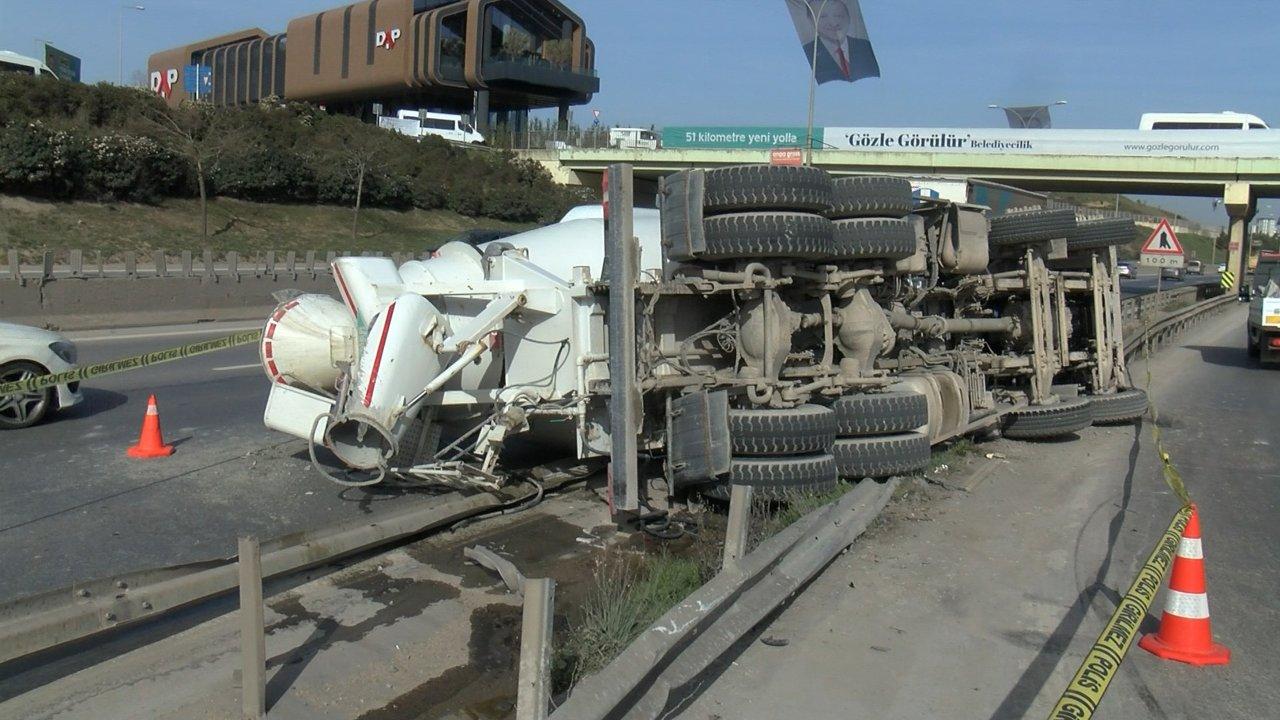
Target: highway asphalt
75 507
982 603
1145 282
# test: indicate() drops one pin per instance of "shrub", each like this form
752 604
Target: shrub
64 140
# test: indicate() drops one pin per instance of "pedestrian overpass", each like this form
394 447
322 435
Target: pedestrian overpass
1239 181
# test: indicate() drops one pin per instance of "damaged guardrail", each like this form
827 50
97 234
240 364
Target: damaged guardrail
675 650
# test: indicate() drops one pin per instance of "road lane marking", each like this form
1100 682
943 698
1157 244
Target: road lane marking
237 367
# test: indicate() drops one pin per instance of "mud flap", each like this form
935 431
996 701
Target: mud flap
680 199
698 446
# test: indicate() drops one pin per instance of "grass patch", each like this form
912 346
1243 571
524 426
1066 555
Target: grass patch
770 517
246 227
951 453
628 595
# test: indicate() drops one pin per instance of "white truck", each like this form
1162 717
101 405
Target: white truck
768 326
419 123
633 139
1263 329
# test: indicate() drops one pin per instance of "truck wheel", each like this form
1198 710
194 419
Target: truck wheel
880 413
1039 422
794 431
873 239
877 457
766 187
1031 227
21 410
1098 234
1119 407
1255 347
779 478
870 196
758 235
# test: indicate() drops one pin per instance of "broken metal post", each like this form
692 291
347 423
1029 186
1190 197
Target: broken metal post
534 693
622 273
735 536
253 641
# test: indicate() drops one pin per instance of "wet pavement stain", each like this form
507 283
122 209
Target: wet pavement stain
536 551
483 689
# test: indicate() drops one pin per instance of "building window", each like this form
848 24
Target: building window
14 67
453 46
519 32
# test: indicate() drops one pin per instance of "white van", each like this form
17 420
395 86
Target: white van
13 62
633 139
416 124
1226 120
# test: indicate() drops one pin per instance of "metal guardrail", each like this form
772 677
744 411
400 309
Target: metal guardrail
1142 308
158 263
1161 331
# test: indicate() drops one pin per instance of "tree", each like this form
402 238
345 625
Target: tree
357 153
200 133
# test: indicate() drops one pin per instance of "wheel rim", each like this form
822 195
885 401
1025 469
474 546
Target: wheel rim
19 408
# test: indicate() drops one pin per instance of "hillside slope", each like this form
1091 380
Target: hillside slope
31 224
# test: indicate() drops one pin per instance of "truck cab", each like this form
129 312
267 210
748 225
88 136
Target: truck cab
1264 309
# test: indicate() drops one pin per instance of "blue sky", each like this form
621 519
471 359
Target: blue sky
737 61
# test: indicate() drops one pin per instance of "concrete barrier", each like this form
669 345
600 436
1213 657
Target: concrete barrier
87 303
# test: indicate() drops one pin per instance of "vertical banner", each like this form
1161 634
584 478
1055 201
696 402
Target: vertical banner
837 46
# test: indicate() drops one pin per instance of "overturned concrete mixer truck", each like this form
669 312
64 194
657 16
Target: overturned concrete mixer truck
769 326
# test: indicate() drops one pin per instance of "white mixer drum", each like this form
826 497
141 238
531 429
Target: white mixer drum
304 341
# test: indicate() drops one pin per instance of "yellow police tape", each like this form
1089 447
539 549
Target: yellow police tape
1080 699
131 363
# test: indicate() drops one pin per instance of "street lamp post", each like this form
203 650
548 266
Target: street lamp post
120 42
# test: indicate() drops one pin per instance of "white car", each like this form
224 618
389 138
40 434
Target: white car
27 352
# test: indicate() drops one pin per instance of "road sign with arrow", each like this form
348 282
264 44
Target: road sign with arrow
1163 248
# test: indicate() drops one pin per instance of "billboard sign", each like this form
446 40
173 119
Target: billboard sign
750 138
63 64
197 80
1129 143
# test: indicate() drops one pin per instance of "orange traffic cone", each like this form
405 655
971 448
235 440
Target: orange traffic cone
150 442
1184 633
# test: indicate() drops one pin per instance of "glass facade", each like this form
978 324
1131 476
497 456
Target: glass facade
521 32
245 72
453 46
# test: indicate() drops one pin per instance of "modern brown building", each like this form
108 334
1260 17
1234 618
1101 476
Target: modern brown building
482 57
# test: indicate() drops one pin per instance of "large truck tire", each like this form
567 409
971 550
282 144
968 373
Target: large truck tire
792 431
1099 234
873 239
766 187
1118 407
779 478
1040 422
758 235
1032 226
883 456
864 196
880 413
